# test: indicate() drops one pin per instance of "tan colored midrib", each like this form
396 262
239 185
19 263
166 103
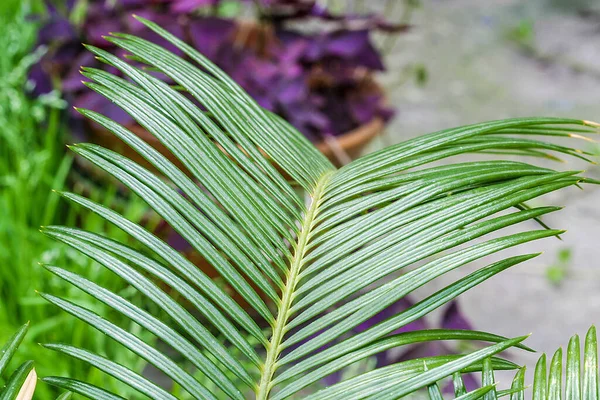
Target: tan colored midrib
287 298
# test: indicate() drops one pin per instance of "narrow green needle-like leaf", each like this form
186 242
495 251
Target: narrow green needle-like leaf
120 372
399 320
85 389
573 370
153 324
539 384
16 381
434 392
458 384
555 377
487 379
201 304
381 345
476 394
157 358
152 291
363 386
11 347
65 396
175 259
170 213
518 385
590 366
428 377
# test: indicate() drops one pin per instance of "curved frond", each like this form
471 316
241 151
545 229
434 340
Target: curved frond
306 254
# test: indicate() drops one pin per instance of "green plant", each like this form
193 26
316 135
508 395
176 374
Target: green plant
33 160
283 227
557 272
21 383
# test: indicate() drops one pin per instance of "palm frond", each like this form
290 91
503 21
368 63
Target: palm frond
581 378
577 380
306 252
21 383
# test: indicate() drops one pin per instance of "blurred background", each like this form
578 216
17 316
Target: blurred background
353 76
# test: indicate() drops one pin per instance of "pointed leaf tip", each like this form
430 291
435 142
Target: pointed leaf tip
591 123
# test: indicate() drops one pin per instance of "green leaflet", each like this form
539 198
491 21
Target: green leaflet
22 381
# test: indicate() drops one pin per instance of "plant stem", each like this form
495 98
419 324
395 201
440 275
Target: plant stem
296 264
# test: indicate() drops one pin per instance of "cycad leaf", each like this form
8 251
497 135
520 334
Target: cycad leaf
83 388
580 379
65 396
295 242
590 366
22 382
487 379
10 348
573 370
475 394
518 385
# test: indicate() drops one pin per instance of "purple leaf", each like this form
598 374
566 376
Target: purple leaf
470 384
171 25
96 29
91 100
209 34
41 80
187 6
72 80
57 29
454 319
346 44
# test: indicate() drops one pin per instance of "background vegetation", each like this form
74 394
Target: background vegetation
33 162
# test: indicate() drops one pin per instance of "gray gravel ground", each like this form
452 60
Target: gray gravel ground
477 74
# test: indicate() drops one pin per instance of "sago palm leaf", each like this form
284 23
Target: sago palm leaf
20 385
310 250
580 378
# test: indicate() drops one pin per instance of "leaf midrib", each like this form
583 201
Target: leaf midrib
287 297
